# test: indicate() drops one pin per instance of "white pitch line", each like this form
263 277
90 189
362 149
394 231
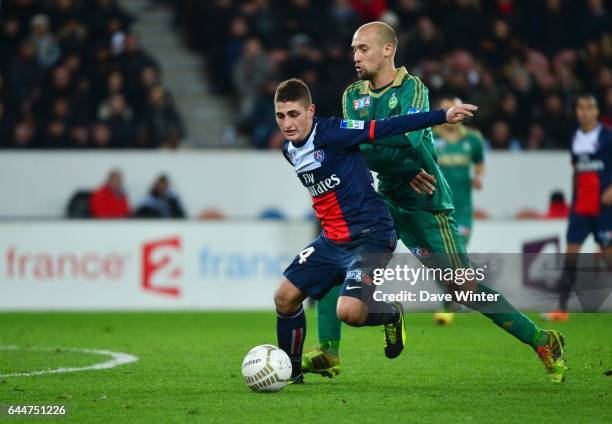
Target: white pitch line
118 358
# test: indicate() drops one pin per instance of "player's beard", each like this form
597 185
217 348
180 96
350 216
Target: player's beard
365 75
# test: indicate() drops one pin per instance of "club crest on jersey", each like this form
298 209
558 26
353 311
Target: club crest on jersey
318 155
351 124
359 276
414 110
421 252
361 103
393 102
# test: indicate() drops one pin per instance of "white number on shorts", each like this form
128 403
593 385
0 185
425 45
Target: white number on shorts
304 254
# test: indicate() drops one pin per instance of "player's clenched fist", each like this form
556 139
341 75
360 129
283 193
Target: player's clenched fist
458 113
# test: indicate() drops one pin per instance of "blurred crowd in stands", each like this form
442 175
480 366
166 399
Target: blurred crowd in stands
109 201
521 61
72 75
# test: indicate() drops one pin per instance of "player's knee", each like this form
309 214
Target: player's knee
284 302
351 316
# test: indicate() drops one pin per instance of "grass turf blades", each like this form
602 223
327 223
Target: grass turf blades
189 370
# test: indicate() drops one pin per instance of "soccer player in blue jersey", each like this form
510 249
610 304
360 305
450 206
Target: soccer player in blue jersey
591 209
355 221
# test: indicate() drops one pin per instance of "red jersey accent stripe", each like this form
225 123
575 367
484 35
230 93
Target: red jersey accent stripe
372 126
327 209
588 192
296 341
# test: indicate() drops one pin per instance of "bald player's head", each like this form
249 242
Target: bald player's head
382 31
374 46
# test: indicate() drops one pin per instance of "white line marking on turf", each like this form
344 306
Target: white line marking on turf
118 358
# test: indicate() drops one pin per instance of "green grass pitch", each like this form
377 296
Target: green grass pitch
189 371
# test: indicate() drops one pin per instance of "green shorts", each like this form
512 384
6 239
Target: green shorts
464 226
432 236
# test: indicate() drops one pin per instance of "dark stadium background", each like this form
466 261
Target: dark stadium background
145 207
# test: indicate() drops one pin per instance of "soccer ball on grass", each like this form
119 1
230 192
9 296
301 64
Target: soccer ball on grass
266 368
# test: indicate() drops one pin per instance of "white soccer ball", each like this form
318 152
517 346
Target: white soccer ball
266 368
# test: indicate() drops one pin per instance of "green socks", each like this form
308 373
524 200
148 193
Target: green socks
506 316
501 312
331 347
330 327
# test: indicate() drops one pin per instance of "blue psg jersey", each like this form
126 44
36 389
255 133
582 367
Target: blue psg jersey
592 160
329 164
339 182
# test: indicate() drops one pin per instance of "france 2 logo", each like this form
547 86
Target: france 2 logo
161 270
319 155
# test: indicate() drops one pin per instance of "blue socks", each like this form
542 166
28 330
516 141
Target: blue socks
291 332
386 313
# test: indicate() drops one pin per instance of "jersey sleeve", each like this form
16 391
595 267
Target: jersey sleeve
347 133
477 148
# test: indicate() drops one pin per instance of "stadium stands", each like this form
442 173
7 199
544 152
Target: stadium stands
523 61
73 76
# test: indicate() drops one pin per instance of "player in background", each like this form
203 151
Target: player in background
461 158
591 208
418 197
355 221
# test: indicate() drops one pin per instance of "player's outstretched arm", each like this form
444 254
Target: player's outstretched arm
401 124
351 133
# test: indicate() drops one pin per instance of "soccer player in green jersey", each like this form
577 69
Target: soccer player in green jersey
461 158
418 197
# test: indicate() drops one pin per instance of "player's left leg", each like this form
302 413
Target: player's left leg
355 312
438 234
311 273
356 305
547 343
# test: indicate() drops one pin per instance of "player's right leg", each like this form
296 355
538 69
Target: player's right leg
446 316
417 238
291 324
313 272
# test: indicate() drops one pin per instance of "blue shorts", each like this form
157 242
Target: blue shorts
581 226
324 264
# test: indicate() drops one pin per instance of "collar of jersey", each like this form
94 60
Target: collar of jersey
315 121
597 129
399 78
